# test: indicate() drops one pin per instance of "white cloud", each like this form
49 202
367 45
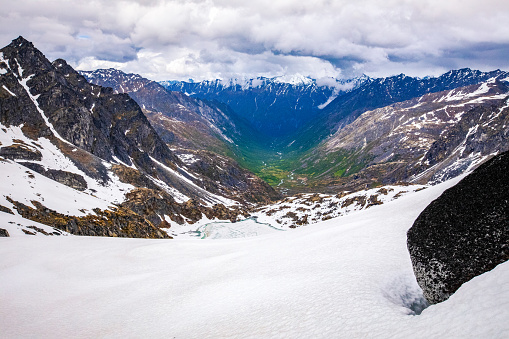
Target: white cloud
218 38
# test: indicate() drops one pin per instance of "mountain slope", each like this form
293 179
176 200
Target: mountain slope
90 139
424 140
181 121
381 92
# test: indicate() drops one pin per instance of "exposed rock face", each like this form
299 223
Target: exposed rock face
463 233
20 151
72 180
3 232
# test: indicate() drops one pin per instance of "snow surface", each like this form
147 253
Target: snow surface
347 277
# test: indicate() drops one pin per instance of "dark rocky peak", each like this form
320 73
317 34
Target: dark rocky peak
24 58
87 116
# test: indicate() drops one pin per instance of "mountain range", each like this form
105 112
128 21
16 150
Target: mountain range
167 158
315 154
273 107
109 154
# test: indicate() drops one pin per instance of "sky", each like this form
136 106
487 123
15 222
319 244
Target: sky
194 39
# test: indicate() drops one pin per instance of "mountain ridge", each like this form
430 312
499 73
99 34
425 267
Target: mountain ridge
61 129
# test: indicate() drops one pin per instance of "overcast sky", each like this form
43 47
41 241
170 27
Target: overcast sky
211 39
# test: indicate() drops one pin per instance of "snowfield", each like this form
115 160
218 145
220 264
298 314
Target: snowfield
348 277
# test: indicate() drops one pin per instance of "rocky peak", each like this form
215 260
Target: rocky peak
24 59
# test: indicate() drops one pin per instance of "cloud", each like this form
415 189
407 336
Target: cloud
219 38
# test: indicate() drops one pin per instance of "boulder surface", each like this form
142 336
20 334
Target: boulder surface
463 233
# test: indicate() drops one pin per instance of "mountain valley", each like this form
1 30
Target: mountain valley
168 158
278 193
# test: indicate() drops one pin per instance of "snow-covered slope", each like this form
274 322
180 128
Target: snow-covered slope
347 277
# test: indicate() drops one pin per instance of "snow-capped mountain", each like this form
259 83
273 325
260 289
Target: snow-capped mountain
274 107
381 92
59 130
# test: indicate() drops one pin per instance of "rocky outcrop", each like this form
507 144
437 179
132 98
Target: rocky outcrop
3 232
20 151
154 204
118 222
463 233
70 179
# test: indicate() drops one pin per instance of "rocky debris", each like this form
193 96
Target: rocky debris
40 230
6 210
119 222
154 204
303 209
463 233
3 232
27 232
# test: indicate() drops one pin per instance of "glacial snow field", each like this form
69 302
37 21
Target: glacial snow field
347 277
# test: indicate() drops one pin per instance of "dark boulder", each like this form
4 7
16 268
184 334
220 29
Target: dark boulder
463 233
4 232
